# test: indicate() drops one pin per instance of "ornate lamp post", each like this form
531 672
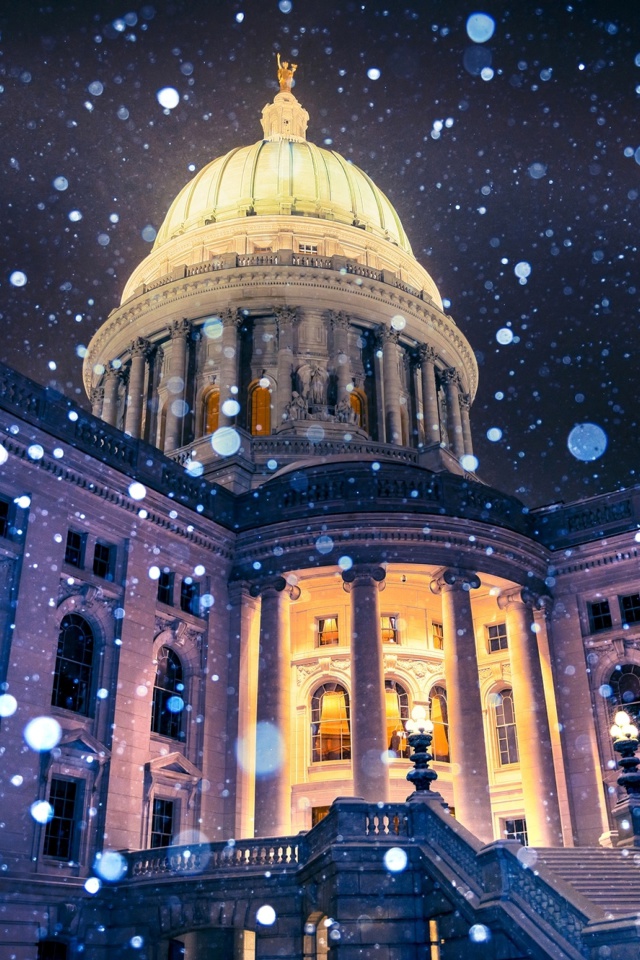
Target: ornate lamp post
419 736
627 811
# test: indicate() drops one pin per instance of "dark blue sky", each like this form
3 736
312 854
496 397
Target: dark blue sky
535 163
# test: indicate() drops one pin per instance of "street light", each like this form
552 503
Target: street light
419 736
625 742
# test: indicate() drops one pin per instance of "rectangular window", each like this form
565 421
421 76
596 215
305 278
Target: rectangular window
515 829
4 518
74 551
630 607
389 628
318 814
437 635
162 822
497 637
600 615
190 596
60 832
165 587
327 631
308 247
104 561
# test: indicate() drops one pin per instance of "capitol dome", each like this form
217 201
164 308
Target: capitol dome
280 177
281 301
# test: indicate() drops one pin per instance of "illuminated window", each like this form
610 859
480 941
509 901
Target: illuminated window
318 814
330 730
497 637
358 402
625 690
308 247
515 829
260 411
437 636
389 628
440 719
168 696
211 412
73 671
600 615
327 631
505 723
397 711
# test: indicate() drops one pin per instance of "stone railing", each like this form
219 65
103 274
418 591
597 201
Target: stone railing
208 858
283 258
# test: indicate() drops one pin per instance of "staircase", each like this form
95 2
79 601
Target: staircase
607 876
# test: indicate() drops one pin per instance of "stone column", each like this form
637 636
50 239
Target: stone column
582 763
454 421
180 330
340 359
97 399
393 422
231 323
430 411
273 788
110 405
466 726
133 413
465 407
368 715
534 736
285 320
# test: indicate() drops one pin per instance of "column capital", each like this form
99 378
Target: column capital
286 315
465 401
426 354
387 335
114 373
367 572
339 319
180 329
140 348
96 395
522 597
273 585
455 579
450 375
231 318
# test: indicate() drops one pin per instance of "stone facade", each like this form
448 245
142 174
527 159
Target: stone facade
226 588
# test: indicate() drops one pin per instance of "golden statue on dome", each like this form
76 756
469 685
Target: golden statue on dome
285 74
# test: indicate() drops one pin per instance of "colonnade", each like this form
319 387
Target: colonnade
468 756
106 398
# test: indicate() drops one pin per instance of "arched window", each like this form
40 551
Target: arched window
358 402
74 665
625 690
505 722
210 412
259 410
330 730
396 701
168 696
440 719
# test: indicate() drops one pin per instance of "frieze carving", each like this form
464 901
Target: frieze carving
180 631
506 671
305 670
485 672
599 516
86 592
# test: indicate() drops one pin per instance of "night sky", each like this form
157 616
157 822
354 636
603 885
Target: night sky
522 151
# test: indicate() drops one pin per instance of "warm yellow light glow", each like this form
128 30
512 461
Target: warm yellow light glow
418 713
622 719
